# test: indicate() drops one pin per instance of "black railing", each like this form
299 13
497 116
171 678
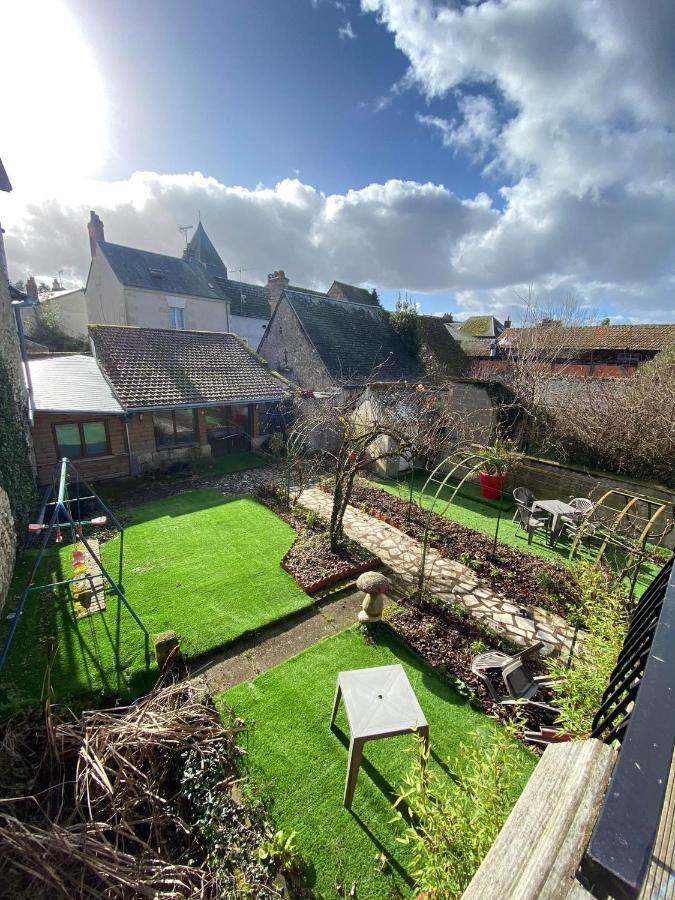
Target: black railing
638 714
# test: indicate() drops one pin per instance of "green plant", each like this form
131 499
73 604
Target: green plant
601 612
279 850
16 475
478 647
310 518
500 457
471 562
455 820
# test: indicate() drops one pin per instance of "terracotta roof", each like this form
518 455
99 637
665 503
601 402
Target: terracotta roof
598 337
154 367
355 342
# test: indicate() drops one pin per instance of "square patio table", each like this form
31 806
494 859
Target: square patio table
379 703
556 509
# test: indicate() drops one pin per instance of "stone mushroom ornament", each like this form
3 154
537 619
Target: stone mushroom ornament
374 585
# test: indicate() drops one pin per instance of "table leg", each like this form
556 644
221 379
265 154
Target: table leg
353 763
336 703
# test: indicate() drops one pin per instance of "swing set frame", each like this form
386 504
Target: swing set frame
66 512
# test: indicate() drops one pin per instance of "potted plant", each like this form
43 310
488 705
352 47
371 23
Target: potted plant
499 459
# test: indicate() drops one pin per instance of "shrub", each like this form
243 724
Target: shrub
455 820
602 613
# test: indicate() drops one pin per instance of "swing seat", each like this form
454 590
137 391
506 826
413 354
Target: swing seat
99 520
34 527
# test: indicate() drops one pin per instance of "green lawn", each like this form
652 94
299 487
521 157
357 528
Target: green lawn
470 509
195 563
300 764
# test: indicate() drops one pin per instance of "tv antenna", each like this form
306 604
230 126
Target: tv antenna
184 230
241 271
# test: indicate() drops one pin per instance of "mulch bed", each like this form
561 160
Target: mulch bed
521 578
443 636
310 561
314 566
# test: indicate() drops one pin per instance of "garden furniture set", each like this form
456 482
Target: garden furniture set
556 517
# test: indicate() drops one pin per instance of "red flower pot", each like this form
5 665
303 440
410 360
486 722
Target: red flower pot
491 485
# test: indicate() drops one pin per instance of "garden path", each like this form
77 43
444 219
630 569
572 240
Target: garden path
445 578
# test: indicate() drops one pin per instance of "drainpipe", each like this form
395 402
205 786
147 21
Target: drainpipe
133 463
24 354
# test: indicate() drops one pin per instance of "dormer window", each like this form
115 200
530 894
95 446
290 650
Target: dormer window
157 273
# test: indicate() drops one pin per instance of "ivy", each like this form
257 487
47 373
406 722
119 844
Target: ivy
16 474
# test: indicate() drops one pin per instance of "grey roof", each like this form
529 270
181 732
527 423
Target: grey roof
72 383
250 300
155 367
356 342
5 184
173 275
476 327
201 249
351 293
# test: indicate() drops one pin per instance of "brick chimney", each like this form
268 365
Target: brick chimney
95 229
507 323
32 289
276 282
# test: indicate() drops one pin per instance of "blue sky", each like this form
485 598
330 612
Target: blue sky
469 154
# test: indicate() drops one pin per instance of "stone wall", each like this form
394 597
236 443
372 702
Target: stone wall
16 472
288 350
550 480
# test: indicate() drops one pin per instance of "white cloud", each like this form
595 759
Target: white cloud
581 131
346 31
477 130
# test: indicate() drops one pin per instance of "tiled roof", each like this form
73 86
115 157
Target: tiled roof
250 300
172 275
597 337
445 351
356 343
352 293
157 272
153 367
476 327
5 184
72 383
476 349
201 249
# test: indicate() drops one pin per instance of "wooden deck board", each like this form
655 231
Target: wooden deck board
660 881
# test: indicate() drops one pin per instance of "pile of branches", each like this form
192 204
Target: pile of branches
93 805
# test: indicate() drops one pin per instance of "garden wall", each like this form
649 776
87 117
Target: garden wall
555 480
7 545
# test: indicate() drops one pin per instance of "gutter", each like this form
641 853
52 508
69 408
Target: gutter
167 406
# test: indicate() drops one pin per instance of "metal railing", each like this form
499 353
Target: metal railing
638 714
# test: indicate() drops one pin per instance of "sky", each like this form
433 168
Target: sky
459 153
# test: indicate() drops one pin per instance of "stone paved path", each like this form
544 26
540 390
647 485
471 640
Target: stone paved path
446 578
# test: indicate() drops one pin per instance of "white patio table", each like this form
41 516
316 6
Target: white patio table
379 703
556 509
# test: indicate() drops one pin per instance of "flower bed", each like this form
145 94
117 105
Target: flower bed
521 578
447 638
314 566
310 561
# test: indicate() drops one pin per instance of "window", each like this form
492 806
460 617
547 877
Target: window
81 439
174 428
177 317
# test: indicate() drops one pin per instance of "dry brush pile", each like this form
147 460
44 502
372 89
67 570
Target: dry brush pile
99 806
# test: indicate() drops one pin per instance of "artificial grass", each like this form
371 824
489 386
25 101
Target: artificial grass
300 764
472 510
195 563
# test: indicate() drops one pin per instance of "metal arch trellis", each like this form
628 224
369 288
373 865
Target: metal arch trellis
67 513
473 461
624 517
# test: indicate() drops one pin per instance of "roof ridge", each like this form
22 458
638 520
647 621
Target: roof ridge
333 300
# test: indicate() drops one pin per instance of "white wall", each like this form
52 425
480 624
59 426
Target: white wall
104 295
151 309
250 329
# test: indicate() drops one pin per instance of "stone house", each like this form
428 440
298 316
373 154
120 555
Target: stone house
324 344
148 398
128 286
478 336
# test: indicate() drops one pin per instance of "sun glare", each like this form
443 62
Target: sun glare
54 123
